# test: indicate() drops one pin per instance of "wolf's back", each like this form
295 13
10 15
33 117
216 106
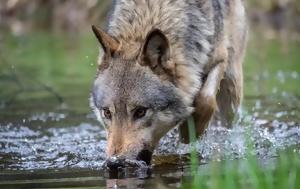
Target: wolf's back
193 28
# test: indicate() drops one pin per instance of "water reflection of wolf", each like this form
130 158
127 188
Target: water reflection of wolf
162 61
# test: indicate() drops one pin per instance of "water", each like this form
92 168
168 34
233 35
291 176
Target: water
50 139
62 148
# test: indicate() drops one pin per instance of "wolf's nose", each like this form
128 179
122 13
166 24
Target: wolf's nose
114 163
145 155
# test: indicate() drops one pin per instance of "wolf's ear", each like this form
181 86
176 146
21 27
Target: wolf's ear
156 50
108 43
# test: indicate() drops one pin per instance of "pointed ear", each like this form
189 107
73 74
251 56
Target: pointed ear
108 43
156 49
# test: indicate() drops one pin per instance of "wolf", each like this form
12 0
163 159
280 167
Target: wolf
162 61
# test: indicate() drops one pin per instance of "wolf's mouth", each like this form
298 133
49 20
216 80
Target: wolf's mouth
145 155
114 163
143 161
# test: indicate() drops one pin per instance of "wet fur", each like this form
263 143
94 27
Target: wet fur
203 71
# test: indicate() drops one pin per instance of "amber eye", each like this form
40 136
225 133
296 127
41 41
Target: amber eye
106 113
140 112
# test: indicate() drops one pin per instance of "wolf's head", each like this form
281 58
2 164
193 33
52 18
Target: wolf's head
136 98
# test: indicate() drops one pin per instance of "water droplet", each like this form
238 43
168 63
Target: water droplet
295 75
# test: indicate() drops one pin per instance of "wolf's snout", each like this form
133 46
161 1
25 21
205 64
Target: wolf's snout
142 159
145 155
114 163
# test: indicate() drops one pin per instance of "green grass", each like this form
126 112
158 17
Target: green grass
275 173
280 172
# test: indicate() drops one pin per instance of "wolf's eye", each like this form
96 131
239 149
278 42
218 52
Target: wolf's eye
106 113
140 112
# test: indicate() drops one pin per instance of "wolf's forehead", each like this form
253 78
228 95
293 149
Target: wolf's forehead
131 85
127 75
121 80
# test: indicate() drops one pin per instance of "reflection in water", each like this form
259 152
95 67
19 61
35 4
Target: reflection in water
124 178
138 183
125 183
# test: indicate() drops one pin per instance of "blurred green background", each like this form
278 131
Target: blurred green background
47 50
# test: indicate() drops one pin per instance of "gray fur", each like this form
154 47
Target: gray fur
202 35
188 24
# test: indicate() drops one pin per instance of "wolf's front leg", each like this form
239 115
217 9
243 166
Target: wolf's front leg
205 102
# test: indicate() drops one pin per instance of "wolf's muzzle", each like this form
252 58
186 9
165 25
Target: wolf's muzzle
114 163
145 155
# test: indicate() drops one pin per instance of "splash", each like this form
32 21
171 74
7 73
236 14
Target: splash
262 138
53 141
78 147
